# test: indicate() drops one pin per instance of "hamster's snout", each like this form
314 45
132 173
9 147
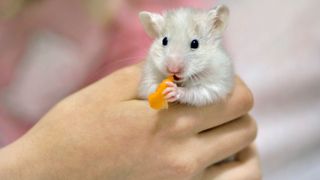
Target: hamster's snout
175 65
174 69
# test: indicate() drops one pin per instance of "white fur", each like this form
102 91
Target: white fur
208 71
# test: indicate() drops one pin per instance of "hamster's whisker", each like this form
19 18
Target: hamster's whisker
194 78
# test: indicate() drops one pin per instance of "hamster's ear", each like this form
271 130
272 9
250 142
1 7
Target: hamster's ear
219 18
152 23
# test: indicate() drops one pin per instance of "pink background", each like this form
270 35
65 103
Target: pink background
47 54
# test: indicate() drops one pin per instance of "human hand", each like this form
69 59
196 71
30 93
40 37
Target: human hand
246 166
103 132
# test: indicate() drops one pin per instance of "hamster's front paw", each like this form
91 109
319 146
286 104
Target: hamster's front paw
172 92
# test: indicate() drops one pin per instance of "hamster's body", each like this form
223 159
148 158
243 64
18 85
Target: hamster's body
188 45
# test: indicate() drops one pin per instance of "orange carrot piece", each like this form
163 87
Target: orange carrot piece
156 99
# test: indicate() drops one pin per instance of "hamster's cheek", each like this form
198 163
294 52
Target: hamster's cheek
161 65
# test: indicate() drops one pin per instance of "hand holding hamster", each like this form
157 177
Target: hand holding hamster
188 46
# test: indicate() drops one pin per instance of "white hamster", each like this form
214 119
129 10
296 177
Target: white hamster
188 45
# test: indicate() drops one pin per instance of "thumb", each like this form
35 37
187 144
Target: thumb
121 85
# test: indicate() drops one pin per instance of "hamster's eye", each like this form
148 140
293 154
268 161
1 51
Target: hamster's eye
165 41
194 44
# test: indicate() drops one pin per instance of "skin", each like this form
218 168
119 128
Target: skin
104 132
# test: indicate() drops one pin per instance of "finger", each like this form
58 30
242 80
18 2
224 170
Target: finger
172 99
195 120
226 140
171 95
167 90
171 84
236 105
119 86
246 166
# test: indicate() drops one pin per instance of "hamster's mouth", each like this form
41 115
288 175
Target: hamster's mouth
177 78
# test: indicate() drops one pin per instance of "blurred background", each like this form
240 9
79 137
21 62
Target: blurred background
51 48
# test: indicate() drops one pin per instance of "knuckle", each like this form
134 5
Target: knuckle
182 125
184 167
247 99
250 128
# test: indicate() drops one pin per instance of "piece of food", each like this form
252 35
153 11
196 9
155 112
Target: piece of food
156 99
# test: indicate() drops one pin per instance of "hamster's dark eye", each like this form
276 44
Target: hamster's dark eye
194 44
165 41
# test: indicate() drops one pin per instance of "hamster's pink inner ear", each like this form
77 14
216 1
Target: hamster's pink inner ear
219 18
152 23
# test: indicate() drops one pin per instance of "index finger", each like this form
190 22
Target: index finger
121 85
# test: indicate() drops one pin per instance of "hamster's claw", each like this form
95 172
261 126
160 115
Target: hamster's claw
171 84
172 94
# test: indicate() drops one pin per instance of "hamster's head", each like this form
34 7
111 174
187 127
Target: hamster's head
186 41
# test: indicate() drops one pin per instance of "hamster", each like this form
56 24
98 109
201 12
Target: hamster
187 45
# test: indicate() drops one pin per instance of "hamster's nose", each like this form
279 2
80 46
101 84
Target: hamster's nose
175 64
174 69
